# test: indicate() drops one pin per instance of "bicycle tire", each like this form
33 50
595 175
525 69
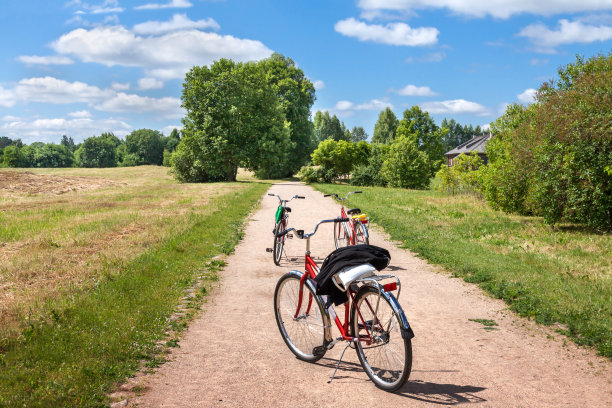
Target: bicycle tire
387 362
341 238
307 331
361 233
279 242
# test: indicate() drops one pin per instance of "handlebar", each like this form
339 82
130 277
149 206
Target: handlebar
300 233
286 201
342 199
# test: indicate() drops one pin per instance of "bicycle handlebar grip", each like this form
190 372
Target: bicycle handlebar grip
326 195
280 234
342 219
357 192
302 197
270 194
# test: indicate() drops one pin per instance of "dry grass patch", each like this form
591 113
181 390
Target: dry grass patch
50 245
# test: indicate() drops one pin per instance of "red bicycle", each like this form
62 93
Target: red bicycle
374 322
355 230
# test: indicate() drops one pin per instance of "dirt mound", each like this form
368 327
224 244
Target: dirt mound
17 183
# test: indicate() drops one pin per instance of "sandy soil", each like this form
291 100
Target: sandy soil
234 356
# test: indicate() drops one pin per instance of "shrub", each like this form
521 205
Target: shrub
308 174
406 166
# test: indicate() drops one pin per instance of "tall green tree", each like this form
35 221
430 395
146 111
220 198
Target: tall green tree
52 155
234 118
418 126
406 166
98 151
296 95
358 134
68 142
329 127
385 127
146 145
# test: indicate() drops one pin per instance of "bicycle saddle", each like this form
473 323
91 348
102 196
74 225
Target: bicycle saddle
353 211
287 209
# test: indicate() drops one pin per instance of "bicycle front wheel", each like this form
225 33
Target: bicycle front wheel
361 233
387 357
279 242
341 238
302 329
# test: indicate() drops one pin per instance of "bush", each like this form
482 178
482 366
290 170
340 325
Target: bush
406 166
464 177
308 174
367 175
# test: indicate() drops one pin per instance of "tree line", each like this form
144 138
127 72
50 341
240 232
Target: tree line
552 158
140 147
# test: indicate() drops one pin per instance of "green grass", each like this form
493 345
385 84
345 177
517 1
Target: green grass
553 275
86 341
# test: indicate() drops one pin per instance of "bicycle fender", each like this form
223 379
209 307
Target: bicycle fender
405 328
326 318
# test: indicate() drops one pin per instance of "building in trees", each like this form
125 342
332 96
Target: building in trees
476 144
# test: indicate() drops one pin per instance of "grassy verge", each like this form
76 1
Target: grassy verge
92 337
560 275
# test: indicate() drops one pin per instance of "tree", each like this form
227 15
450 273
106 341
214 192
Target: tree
358 134
172 141
98 151
296 95
385 127
68 142
146 145
13 156
421 128
52 155
5 141
340 156
406 166
329 127
234 118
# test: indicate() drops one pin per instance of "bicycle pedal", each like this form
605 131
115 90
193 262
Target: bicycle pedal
269 250
319 351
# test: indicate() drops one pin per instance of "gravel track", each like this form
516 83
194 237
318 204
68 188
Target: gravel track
232 355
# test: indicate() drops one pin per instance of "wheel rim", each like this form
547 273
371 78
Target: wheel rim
360 234
307 331
384 361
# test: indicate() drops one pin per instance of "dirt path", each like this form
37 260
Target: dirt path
234 356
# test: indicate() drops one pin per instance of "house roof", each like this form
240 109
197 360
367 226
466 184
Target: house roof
477 144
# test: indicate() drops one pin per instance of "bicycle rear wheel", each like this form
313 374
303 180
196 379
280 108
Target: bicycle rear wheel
279 242
341 238
361 233
388 359
306 330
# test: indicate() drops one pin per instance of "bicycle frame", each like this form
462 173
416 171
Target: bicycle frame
349 227
311 271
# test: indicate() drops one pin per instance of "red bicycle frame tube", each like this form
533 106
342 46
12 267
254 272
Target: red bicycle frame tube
353 234
311 271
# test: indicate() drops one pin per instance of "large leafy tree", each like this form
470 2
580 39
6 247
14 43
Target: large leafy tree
53 155
406 166
98 151
418 126
146 145
385 127
358 134
296 95
234 118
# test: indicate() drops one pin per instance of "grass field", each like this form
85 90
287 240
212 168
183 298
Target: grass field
558 276
92 263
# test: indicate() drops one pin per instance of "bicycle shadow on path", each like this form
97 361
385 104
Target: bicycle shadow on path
431 393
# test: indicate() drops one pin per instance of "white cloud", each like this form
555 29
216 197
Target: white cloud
53 90
168 129
374 104
150 83
7 98
172 4
318 84
412 90
178 22
568 32
481 8
80 114
166 107
392 33
456 106
45 60
343 105
51 129
107 6
431 57
485 127
538 61
117 86
167 56
527 96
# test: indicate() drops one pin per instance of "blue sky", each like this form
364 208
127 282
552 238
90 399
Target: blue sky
81 68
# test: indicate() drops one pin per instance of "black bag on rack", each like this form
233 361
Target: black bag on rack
346 257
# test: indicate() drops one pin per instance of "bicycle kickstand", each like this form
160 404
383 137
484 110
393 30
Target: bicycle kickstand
348 343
